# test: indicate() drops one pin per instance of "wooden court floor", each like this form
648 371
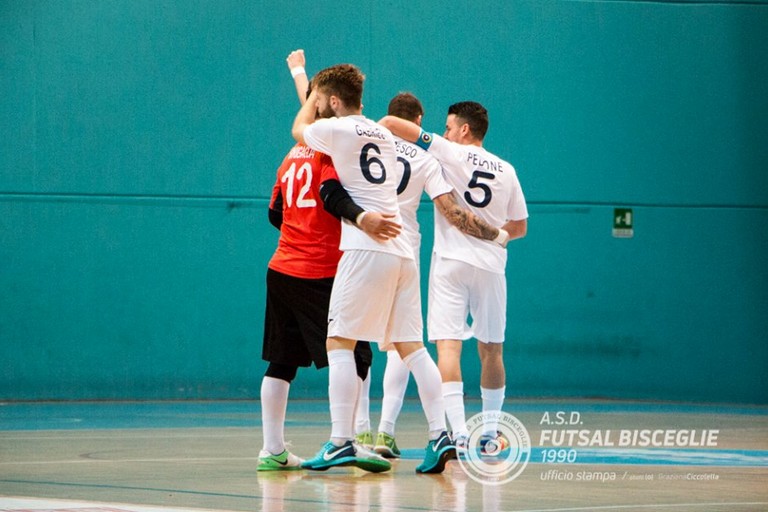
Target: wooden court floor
583 456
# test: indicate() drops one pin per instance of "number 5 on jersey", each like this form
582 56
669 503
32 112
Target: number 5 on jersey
476 184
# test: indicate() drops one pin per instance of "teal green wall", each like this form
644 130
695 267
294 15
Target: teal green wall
138 143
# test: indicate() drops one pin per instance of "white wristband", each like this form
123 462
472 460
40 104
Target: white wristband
298 70
502 237
359 218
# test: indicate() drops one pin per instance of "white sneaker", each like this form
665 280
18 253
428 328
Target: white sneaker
361 452
370 461
461 442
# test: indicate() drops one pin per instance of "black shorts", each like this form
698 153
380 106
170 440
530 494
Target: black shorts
296 321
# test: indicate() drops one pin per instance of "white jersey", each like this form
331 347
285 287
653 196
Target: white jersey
363 153
418 172
487 186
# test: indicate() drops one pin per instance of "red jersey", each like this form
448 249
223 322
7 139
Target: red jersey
309 236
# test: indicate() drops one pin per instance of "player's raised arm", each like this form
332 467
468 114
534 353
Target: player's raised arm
305 117
296 62
468 222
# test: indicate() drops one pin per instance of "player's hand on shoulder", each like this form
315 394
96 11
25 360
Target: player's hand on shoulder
379 226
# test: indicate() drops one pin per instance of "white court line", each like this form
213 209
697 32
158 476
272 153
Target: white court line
15 503
648 507
101 461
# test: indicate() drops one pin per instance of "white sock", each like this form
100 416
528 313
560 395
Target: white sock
493 399
427 378
453 393
274 401
363 411
396 376
342 394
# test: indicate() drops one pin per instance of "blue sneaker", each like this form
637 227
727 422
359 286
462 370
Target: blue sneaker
438 452
493 445
331 456
348 454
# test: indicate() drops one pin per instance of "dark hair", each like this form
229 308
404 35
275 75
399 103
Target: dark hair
344 81
405 106
472 113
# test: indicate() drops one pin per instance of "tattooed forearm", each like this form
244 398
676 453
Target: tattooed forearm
465 220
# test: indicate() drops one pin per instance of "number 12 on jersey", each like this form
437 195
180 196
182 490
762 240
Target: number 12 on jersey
294 179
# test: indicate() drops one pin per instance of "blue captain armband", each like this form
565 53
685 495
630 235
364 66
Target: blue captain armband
425 140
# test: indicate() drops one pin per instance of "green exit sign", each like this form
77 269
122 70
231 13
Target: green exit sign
623 223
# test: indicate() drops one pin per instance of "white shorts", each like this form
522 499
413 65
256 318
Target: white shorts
458 290
376 297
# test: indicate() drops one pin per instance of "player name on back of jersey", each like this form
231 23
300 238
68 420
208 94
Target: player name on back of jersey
405 148
481 162
301 152
367 131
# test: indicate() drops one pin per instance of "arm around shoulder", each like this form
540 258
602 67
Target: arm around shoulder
403 128
466 221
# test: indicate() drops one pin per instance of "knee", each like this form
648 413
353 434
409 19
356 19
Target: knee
490 352
363 359
450 350
281 371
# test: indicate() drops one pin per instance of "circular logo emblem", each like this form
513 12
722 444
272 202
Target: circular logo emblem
499 458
